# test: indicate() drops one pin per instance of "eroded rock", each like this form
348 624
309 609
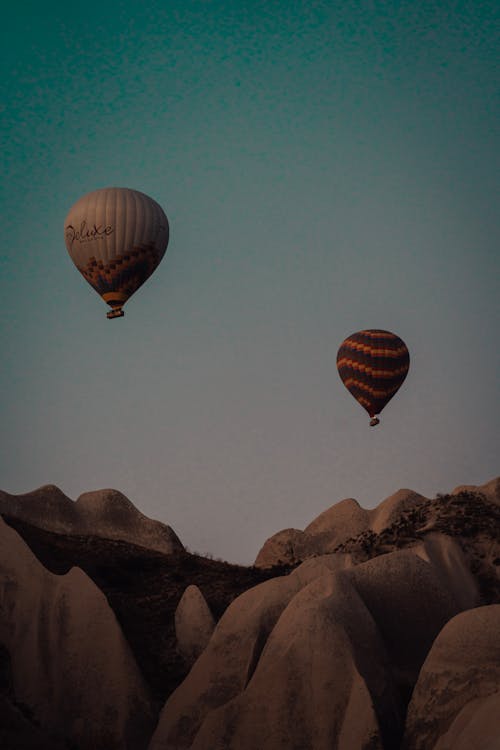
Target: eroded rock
103 513
194 624
70 664
458 685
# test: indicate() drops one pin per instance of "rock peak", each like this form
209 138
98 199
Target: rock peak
105 513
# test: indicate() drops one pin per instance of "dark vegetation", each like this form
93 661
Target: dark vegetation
469 517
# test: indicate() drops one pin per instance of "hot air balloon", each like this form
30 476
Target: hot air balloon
116 237
372 365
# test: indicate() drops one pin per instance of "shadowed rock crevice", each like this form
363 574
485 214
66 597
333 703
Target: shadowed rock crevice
456 699
255 654
19 729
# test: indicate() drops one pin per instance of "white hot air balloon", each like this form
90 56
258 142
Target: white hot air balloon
116 237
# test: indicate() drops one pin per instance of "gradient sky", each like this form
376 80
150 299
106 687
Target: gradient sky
325 167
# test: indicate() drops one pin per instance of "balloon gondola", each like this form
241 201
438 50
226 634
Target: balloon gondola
373 365
116 238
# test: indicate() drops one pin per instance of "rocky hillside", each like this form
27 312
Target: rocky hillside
106 514
368 629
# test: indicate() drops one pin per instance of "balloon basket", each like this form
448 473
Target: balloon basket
118 313
374 422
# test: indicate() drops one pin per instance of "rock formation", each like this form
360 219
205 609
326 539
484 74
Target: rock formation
332 528
295 699
287 547
346 521
70 667
377 632
393 507
456 701
228 662
194 624
330 651
338 523
490 490
323 535
104 513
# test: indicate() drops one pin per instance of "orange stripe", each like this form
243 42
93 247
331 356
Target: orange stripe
367 349
364 402
368 389
344 361
376 334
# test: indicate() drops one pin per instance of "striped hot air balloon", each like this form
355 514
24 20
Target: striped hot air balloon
116 238
372 365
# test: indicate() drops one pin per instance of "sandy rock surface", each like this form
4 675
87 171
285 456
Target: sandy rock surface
194 624
411 600
382 610
295 699
456 698
104 513
476 726
347 520
270 676
336 525
339 523
225 666
491 489
287 547
391 509
70 664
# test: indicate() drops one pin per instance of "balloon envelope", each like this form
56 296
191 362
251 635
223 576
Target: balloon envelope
116 238
373 364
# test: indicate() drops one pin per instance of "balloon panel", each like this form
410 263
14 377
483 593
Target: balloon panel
116 237
372 365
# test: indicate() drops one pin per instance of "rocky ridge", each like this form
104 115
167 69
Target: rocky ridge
103 513
354 640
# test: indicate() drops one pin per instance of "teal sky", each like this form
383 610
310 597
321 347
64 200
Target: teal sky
325 167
